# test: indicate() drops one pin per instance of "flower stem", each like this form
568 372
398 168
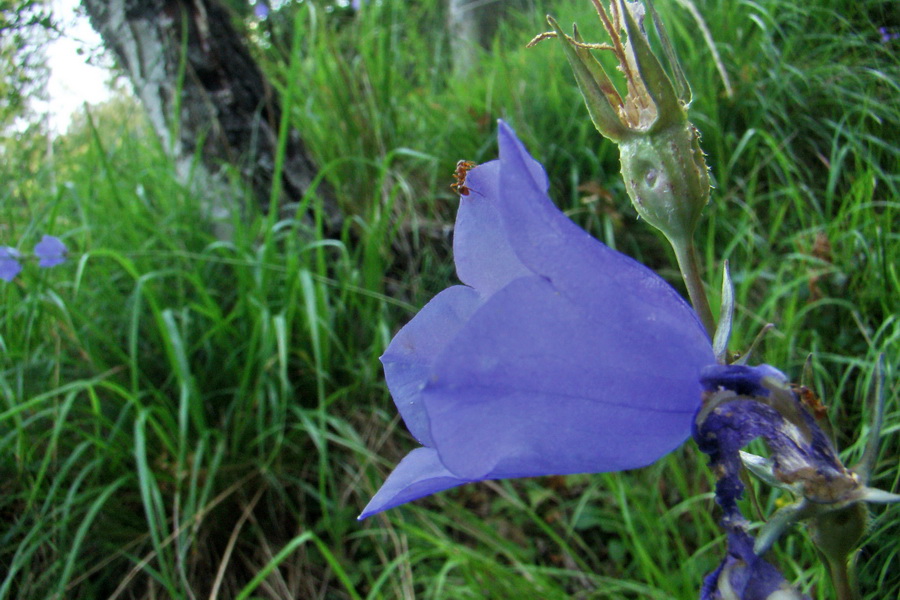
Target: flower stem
686 254
843 579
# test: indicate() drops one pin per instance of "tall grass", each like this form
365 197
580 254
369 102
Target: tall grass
184 417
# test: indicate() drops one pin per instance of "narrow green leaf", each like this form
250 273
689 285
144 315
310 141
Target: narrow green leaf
658 84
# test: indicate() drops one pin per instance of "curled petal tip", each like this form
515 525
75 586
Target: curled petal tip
419 474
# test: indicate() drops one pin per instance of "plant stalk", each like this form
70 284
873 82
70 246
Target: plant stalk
688 263
842 577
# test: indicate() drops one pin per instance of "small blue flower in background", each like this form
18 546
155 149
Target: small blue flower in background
559 355
887 35
9 263
51 251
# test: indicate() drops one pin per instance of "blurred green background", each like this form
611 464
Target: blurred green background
187 417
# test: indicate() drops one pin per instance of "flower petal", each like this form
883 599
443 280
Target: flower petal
743 575
9 265
409 357
482 252
743 380
551 245
544 239
538 384
419 474
51 251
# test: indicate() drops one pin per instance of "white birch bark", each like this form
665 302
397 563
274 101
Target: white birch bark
205 97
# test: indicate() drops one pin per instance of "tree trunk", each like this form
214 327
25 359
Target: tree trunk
206 97
472 25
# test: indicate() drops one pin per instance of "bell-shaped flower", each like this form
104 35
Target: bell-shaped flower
261 9
50 251
559 355
9 263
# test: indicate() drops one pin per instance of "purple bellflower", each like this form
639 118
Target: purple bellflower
559 355
9 263
51 251
887 35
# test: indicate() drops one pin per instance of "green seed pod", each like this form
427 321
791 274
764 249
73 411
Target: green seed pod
665 172
667 179
838 533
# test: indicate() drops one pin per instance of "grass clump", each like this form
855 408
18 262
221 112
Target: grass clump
185 417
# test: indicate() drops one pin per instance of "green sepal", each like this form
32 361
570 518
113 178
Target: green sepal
876 410
596 87
659 86
682 87
764 470
726 318
876 496
597 71
779 522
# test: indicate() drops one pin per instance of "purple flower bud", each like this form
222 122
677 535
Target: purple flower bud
51 251
557 356
261 10
9 264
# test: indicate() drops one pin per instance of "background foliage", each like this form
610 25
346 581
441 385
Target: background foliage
25 26
183 417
